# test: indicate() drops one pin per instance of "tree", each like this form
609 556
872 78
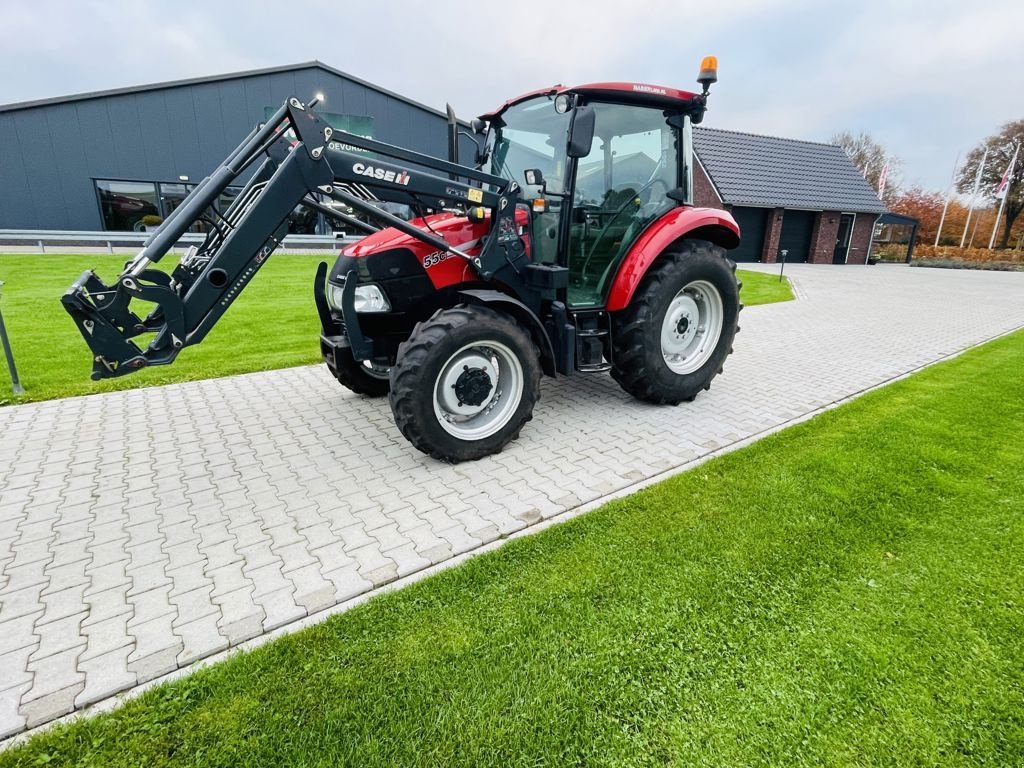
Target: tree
926 207
1000 150
870 157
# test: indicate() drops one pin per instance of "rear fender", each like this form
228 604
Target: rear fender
502 302
712 224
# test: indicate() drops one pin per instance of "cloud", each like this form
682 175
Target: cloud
926 78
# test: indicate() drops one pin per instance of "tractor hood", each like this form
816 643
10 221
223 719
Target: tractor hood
454 229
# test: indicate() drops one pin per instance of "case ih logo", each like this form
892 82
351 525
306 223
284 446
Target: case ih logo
650 89
379 173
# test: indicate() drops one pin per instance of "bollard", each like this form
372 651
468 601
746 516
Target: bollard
15 383
782 263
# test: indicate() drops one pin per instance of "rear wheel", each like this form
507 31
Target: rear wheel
674 336
363 378
465 383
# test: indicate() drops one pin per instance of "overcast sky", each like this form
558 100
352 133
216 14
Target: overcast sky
927 79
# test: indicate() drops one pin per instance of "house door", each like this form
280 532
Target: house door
795 237
752 223
843 235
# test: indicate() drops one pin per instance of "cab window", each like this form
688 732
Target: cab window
621 187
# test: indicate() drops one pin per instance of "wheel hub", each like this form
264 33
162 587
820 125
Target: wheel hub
478 390
682 323
473 386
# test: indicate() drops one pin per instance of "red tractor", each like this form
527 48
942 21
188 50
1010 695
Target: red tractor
571 247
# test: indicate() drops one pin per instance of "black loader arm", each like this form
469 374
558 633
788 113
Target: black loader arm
295 159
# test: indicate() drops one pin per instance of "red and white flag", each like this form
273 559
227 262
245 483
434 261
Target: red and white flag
881 181
1004 183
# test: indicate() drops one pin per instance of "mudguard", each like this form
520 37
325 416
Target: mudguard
524 315
712 224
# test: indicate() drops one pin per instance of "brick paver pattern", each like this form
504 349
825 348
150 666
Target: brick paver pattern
143 530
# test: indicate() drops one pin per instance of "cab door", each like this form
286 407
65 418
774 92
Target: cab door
620 188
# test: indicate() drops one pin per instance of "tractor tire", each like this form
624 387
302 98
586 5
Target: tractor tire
464 383
674 336
360 378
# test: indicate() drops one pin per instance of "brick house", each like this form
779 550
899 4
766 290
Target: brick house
801 196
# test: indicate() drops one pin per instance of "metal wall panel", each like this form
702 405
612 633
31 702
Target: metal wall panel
52 152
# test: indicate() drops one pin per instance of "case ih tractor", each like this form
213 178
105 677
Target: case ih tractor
571 247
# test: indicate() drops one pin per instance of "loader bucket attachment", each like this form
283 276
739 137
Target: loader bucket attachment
106 332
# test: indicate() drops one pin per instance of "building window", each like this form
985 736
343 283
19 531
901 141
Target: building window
128 206
140 206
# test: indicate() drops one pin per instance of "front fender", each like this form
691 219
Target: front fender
522 313
712 224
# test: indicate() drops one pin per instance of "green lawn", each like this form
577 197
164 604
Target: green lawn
272 325
848 592
763 288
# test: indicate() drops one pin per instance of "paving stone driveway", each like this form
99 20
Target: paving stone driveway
143 530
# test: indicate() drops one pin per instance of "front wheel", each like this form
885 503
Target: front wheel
465 383
674 336
363 378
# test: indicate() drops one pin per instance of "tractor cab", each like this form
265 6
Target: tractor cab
596 164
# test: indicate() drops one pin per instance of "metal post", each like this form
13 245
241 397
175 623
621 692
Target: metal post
15 383
913 241
782 264
949 194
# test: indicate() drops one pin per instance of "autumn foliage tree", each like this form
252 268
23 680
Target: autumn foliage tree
1000 150
926 207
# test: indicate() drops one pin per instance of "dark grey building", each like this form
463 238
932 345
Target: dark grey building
124 159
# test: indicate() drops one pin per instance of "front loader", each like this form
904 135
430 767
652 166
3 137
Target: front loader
571 247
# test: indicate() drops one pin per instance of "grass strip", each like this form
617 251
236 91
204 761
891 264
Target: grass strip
846 592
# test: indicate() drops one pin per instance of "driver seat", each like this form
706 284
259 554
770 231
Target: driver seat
603 252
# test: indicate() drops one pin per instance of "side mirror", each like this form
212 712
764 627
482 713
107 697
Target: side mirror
478 126
534 177
581 132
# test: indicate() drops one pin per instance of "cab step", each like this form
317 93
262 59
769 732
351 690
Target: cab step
593 336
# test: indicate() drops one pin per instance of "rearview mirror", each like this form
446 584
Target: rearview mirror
581 132
477 125
534 177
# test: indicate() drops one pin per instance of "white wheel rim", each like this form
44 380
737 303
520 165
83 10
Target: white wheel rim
493 403
692 327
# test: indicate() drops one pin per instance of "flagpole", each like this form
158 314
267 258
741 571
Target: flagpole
974 196
1006 194
949 194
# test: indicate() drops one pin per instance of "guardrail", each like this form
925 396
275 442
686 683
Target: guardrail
43 238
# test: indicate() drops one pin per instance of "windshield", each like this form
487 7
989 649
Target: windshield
530 134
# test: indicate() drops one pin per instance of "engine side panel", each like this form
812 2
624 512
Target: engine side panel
443 269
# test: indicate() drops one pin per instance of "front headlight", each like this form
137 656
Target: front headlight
368 298
334 294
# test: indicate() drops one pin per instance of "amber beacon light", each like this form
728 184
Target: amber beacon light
708 72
